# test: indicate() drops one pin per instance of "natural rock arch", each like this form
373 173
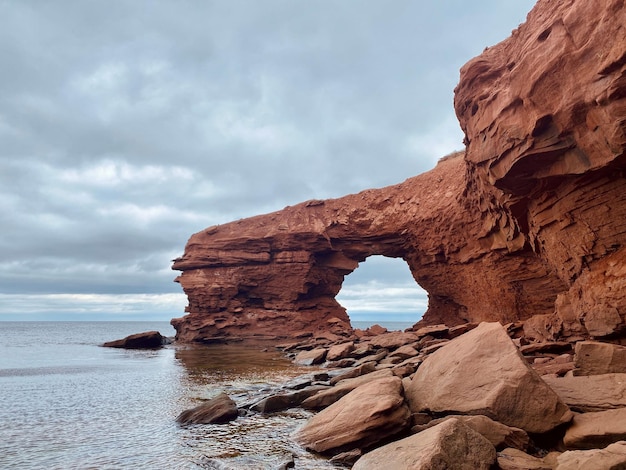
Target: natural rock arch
527 222
278 274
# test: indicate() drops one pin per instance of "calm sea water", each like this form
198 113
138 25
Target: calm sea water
68 403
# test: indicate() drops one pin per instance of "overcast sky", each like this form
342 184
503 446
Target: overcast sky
126 126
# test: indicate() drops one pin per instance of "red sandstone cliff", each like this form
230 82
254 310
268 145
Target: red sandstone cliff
529 222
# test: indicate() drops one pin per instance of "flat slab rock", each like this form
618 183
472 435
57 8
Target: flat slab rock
450 445
312 357
328 397
590 393
594 358
596 430
612 457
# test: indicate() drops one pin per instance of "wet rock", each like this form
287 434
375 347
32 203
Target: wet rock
482 372
596 429
146 340
284 401
368 414
613 457
449 445
594 358
288 463
312 357
590 393
347 458
218 410
327 397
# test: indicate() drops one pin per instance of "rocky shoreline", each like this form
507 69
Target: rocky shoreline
471 396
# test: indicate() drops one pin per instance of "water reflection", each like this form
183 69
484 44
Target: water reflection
253 441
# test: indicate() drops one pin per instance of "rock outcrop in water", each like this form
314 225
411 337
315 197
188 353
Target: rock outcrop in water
146 340
529 223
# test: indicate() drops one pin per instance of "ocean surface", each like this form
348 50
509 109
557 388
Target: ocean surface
68 403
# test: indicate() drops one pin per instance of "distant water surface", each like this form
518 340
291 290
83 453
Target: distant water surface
68 403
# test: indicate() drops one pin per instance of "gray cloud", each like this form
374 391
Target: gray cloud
127 126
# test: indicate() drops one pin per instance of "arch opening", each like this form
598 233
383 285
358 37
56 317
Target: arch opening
381 290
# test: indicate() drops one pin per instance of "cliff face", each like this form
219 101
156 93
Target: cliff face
529 222
544 117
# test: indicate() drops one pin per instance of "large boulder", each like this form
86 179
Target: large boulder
590 393
365 416
146 340
482 372
450 445
218 410
596 430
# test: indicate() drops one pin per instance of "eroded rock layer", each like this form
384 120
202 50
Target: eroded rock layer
544 114
530 221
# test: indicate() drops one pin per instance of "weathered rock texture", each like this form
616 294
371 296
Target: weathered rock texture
482 372
451 445
365 416
529 220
